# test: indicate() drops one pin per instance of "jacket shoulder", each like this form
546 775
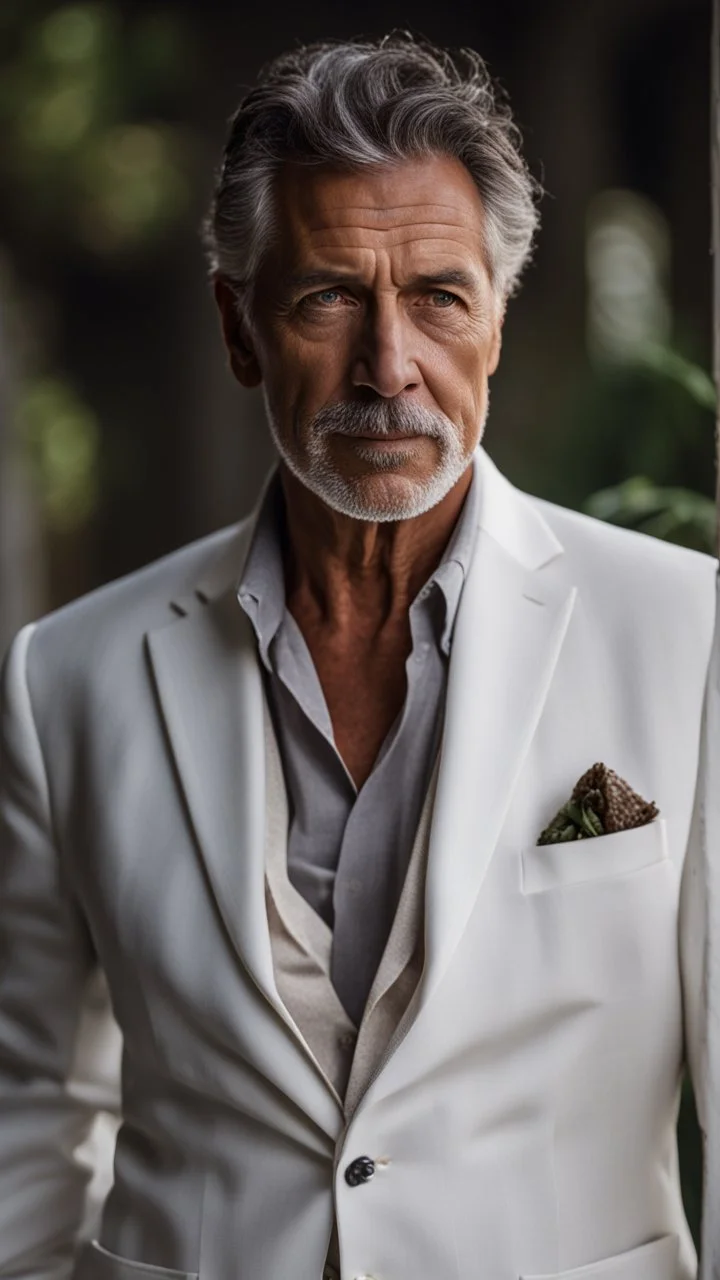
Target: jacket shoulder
114 618
627 551
639 586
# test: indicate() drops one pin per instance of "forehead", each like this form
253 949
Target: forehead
425 208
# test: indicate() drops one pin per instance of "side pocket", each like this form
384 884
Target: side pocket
96 1263
655 1261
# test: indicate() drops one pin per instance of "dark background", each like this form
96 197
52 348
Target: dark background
122 434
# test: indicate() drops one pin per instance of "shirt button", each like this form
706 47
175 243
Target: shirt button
354 887
359 1171
347 1040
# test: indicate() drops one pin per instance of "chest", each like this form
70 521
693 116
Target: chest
170 872
364 683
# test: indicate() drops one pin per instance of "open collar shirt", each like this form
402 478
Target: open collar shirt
348 849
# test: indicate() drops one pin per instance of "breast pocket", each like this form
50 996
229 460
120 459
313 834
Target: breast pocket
655 1261
552 866
97 1263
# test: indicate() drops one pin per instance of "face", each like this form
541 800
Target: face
374 331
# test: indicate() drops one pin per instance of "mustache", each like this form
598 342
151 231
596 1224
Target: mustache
379 418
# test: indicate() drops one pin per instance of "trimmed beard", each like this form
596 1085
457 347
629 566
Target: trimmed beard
320 474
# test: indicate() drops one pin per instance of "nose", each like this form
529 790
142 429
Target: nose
384 360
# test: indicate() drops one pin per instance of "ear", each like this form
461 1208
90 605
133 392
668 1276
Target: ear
237 335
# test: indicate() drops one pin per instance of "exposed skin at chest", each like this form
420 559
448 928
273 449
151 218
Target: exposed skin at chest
371 670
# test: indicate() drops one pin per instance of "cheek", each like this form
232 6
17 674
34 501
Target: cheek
457 374
311 357
301 375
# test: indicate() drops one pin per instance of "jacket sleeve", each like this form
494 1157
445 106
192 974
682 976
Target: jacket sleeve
700 964
58 1045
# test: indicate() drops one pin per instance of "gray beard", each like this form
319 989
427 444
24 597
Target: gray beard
401 500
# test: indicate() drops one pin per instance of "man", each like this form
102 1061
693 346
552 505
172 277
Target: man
285 788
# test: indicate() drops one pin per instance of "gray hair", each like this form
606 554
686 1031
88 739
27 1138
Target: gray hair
369 103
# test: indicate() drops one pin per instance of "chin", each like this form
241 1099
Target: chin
379 498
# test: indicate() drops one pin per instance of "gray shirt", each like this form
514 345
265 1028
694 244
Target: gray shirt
348 850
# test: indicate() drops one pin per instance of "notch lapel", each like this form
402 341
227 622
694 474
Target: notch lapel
211 697
210 692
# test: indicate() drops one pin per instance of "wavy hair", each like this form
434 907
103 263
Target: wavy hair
359 104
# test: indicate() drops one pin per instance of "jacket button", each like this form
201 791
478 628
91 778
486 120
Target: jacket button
359 1171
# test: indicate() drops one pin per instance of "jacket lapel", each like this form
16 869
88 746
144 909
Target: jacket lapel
511 623
210 692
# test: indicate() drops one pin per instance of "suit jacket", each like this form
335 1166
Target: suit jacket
523 1126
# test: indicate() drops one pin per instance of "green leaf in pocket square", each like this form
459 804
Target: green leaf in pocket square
601 803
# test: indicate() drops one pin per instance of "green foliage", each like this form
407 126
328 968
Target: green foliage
92 160
651 416
573 822
60 434
86 153
678 515
675 369
671 512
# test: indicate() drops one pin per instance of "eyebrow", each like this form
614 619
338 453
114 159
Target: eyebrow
425 280
452 275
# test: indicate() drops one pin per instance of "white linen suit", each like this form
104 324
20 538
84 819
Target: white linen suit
524 1125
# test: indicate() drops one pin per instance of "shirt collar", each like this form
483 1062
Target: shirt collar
261 590
449 577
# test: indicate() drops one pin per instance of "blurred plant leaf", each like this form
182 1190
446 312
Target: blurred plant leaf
83 142
134 183
677 515
60 434
684 373
76 35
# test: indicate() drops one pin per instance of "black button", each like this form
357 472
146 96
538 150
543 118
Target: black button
361 1170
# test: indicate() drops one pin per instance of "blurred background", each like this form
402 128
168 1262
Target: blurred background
122 434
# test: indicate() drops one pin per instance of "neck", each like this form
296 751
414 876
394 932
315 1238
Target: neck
356 572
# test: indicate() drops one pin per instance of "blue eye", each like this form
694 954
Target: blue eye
442 298
326 300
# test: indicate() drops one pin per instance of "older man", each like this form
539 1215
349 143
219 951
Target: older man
306 792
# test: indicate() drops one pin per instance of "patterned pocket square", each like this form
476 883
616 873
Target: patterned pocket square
602 802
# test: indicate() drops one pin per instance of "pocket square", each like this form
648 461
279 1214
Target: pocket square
601 803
